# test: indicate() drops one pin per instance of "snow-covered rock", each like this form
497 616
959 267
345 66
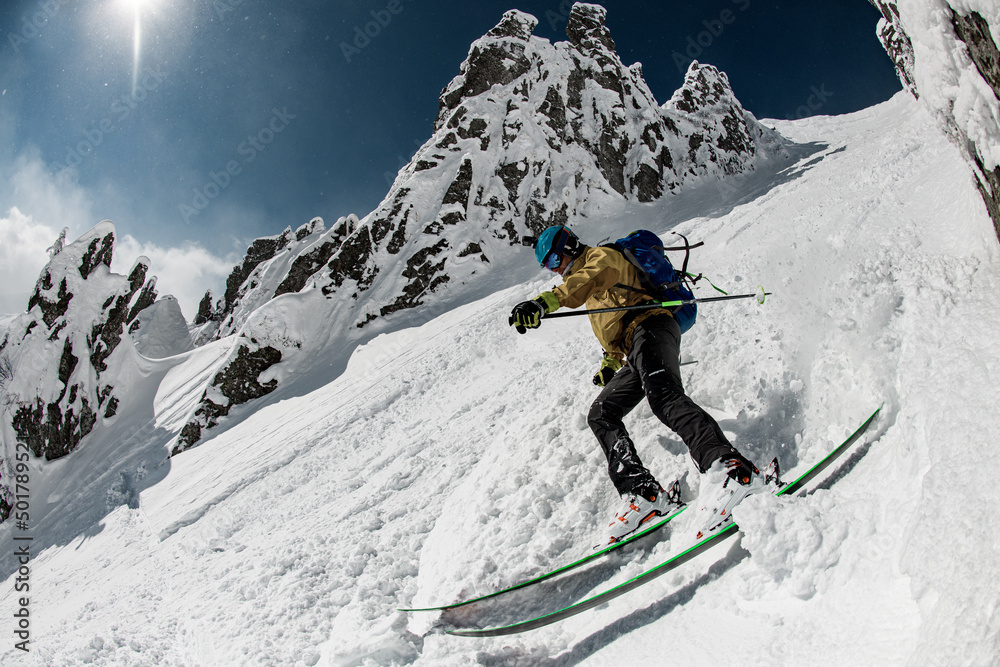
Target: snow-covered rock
258 278
946 55
160 330
528 134
63 354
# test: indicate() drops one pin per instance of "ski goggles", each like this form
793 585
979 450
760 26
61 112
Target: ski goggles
552 261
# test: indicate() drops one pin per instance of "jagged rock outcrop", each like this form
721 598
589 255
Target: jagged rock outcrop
946 55
307 263
63 354
207 311
236 383
528 134
247 286
974 31
896 43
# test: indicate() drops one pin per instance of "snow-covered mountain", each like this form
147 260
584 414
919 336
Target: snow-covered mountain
453 457
160 330
61 358
413 449
529 134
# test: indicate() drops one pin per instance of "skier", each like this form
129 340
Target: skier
641 359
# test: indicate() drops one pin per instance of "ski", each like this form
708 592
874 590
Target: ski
565 568
825 462
672 563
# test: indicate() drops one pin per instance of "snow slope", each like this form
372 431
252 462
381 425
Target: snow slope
453 457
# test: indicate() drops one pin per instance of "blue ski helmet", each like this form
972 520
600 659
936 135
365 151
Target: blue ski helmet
557 239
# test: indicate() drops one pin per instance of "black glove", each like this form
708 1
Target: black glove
527 315
609 366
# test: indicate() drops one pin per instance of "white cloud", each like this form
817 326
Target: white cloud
23 245
37 205
185 272
41 204
55 200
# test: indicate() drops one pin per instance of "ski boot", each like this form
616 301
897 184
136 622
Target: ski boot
724 486
639 510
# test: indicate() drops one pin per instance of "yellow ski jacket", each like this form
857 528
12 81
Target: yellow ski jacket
595 279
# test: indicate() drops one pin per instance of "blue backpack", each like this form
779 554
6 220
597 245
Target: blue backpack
658 277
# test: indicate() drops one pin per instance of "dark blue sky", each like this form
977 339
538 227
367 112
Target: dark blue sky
266 89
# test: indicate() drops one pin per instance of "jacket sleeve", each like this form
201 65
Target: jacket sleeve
598 274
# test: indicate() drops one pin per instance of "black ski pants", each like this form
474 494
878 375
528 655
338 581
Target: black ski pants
652 372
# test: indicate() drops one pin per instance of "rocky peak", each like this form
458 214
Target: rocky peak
514 24
586 30
252 278
705 88
65 352
495 59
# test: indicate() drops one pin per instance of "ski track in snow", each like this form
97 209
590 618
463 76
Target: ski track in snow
454 458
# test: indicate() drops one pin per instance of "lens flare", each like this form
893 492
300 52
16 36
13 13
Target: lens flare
136 6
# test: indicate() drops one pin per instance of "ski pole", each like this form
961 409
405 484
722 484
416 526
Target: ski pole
759 296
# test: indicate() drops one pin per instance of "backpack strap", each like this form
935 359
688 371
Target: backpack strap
687 253
683 247
695 279
651 291
635 263
685 276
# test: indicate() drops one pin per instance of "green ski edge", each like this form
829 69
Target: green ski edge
668 565
825 462
607 595
565 568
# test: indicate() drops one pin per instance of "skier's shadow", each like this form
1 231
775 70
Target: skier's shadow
642 617
553 595
609 634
